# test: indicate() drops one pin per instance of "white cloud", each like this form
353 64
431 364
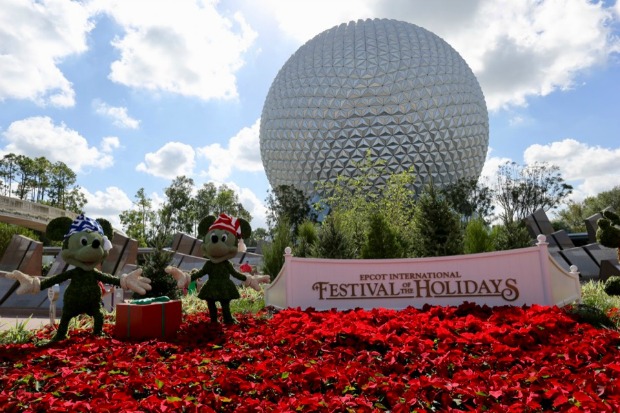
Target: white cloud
304 19
108 204
517 49
523 49
35 38
251 203
171 160
516 120
39 136
590 169
119 115
490 168
109 143
243 154
184 47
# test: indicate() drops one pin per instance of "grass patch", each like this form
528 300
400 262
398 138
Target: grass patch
593 294
251 302
18 334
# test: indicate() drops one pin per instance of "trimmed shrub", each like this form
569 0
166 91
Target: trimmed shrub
381 239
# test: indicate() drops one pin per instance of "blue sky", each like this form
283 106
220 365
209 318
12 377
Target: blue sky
133 93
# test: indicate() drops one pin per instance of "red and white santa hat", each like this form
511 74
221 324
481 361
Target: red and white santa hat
227 223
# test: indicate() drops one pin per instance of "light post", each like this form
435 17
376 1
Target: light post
52 293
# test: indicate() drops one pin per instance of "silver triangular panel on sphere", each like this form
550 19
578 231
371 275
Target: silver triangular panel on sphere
386 86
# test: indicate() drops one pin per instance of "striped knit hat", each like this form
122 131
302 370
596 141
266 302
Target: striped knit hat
227 223
82 223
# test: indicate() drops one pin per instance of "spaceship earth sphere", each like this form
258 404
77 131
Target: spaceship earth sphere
384 86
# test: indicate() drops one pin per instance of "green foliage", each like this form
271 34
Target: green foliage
576 212
354 199
333 241
57 228
290 203
397 204
259 234
608 231
436 227
469 198
591 315
17 334
154 267
593 294
612 286
273 254
477 237
178 210
106 226
8 230
251 301
572 217
307 237
139 219
39 180
227 202
510 236
601 201
381 241
521 190
181 211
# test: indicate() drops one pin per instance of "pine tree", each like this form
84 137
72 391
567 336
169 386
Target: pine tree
273 255
162 283
332 242
381 241
307 236
436 227
477 237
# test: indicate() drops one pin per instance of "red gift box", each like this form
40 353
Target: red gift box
156 320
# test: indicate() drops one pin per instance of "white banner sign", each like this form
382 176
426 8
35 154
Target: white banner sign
514 277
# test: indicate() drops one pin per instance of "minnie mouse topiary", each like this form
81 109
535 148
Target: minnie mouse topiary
85 246
223 236
608 231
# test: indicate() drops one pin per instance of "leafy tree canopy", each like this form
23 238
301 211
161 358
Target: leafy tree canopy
290 203
39 180
521 190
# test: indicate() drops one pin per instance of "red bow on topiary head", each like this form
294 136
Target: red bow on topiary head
227 223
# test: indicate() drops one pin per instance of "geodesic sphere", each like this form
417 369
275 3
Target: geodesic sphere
386 86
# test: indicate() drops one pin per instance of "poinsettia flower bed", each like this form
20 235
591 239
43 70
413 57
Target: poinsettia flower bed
466 358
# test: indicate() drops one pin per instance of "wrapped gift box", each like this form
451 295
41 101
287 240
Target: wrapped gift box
158 319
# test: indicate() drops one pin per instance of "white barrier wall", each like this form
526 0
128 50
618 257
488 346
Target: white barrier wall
514 277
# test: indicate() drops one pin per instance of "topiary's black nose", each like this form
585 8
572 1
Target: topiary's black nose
96 243
214 239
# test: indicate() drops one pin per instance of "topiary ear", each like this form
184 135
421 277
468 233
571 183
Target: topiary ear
246 228
57 228
613 217
205 223
108 231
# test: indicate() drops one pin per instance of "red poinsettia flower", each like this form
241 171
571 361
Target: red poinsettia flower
466 358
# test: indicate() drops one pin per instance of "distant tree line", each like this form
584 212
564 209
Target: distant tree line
39 180
572 218
181 211
54 184
393 221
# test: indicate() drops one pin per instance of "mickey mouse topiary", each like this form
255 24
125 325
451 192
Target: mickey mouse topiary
86 243
608 231
222 237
